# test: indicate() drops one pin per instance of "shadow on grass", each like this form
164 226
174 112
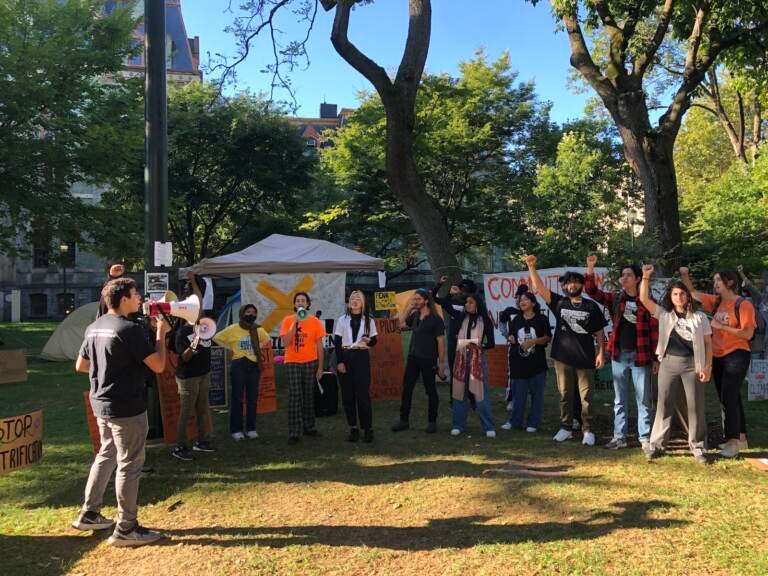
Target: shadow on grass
461 532
45 555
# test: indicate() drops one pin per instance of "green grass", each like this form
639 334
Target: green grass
407 504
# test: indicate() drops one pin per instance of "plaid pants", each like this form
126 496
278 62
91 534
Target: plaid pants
301 397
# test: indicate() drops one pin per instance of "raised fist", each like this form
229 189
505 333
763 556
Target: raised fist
591 261
443 279
647 270
683 270
116 270
530 260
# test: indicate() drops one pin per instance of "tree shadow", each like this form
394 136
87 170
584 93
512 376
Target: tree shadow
460 532
46 555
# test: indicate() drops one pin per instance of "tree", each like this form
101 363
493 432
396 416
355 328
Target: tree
479 138
54 58
634 32
236 168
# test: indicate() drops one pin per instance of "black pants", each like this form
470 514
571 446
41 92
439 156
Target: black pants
729 372
355 388
427 368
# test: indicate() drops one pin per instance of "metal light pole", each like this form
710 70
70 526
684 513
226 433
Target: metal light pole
156 130
63 250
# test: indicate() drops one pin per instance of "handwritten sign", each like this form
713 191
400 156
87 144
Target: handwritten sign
21 441
13 366
218 392
757 380
385 300
387 365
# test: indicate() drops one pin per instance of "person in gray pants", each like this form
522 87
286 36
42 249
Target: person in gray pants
114 354
685 353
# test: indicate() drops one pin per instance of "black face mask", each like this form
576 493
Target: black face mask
249 319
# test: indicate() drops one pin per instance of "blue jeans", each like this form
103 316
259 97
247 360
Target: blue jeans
461 409
626 378
521 388
245 378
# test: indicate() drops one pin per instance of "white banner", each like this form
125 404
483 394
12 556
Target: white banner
500 290
757 379
272 294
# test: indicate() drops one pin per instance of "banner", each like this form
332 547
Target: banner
757 380
21 441
500 290
272 294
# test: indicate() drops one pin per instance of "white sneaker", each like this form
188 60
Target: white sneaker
455 432
490 434
506 426
730 449
563 435
576 425
252 434
237 436
589 439
530 429
742 444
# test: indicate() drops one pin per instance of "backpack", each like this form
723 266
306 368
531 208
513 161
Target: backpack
758 341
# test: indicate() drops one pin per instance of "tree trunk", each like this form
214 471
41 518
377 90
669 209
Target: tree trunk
406 184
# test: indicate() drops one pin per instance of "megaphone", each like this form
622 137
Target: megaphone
301 314
205 329
188 309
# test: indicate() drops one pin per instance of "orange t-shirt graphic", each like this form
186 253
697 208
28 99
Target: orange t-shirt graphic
304 346
723 342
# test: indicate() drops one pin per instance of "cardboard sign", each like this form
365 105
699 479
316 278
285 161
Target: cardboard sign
267 401
498 366
13 366
387 364
218 393
385 300
757 380
93 427
21 441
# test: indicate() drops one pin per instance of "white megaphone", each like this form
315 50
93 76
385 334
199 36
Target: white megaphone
188 309
302 314
205 329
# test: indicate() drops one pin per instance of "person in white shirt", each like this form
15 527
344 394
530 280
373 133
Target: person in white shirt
355 333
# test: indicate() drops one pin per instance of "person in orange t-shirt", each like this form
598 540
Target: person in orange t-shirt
303 341
733 324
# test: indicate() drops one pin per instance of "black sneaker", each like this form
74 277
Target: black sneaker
354 435
92 521
368 436
431 428
293 439
400 426
182 453
313 432
139 536
204 446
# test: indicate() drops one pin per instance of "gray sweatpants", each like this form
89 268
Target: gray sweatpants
676 371
122 447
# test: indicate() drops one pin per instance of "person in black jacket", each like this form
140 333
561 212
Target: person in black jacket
470 368
457 296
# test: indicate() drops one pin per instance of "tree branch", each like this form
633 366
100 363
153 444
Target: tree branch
582 60
649 54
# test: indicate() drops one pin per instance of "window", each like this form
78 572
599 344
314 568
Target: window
41 255
38 305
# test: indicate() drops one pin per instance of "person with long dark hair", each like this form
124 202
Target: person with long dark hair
426 357
469 382
247 342
733 325
529 333
685 352
354 334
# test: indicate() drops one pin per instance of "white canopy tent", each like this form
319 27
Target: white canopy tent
278 254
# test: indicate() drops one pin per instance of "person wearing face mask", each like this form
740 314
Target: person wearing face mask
529 333
304 353
469 382
355 333
733 325
685 351
426 357
577 347
631 344
247 343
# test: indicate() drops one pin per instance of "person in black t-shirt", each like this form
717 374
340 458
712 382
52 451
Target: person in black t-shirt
577 347
529 333
426 357
114 354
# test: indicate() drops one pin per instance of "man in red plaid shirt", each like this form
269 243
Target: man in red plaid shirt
632 344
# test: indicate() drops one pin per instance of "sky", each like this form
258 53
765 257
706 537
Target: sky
537 51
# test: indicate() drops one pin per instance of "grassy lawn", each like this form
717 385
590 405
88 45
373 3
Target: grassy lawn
407 504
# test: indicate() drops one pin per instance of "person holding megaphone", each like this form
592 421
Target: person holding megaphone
247 341
302 336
